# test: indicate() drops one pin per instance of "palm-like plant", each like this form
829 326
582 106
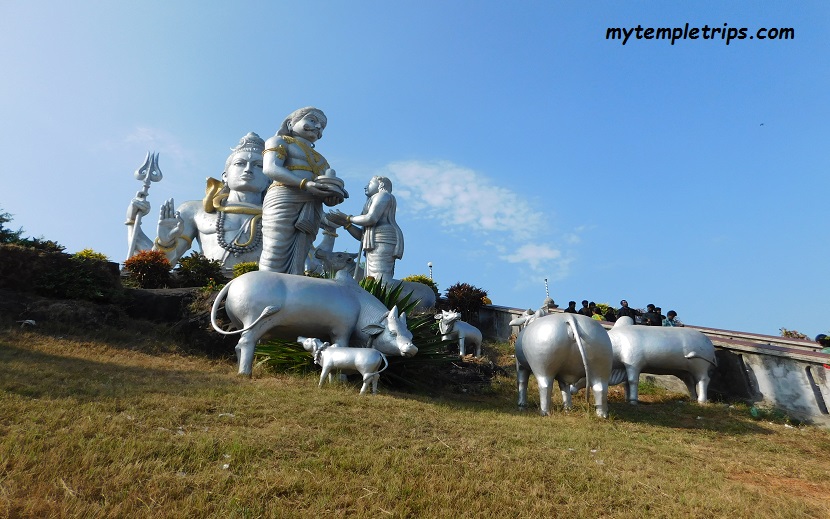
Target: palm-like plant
416 372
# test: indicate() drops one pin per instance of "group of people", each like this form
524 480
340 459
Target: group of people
653 316
268 207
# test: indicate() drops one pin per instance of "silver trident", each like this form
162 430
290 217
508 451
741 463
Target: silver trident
148 172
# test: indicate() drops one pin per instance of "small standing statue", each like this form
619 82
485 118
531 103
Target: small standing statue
380 235
226 223
303 182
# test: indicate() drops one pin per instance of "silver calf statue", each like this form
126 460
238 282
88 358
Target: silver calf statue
365 361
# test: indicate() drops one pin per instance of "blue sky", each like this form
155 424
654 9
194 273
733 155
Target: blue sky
522 144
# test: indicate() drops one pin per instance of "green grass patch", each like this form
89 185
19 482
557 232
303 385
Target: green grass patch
123 423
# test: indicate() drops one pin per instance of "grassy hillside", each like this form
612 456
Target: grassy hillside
123 422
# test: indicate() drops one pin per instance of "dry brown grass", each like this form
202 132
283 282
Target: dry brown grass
123 425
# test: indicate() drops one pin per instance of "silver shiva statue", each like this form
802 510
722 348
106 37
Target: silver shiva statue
302 183
226 223
381 237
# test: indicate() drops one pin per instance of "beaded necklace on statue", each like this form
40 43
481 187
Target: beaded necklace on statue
254 240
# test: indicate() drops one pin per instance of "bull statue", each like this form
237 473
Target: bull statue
333 262
453 328
287 305
365 361
682 352
565 348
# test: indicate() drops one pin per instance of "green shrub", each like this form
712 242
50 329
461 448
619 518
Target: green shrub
40 244
426 280
149 269
244 268
466 299
90 254
793 334
197 270
58 275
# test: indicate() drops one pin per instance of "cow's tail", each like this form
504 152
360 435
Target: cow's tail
268 310
694 355
569 319
385 365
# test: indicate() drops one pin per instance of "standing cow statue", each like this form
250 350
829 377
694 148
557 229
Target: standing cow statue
287 305
682 352
365 361
453 328
564 348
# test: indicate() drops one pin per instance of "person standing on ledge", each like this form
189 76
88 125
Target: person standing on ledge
672 320
303 182
226 224
381 236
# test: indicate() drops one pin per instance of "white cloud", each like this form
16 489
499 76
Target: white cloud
457 196
464 200
534 255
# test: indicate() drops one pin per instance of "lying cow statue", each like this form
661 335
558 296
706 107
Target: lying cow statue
528 317
365 361
565 348
287 305
682 352
453 328
345 261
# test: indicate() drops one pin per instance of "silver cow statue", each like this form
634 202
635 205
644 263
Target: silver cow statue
287 305
453 328
345 261
528 317
365 361
685 353
565 348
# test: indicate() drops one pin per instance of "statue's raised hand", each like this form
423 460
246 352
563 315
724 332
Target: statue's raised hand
170 225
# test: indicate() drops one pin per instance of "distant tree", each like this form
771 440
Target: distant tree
467 299
13 237
7 235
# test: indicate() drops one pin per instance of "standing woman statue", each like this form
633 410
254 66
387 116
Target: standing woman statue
381 236
225 224
303 182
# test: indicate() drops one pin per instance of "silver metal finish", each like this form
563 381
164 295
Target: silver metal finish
332 262
453 328
381 237
303 181
286 306
682 352
564 348
147 173
365 361
225 224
